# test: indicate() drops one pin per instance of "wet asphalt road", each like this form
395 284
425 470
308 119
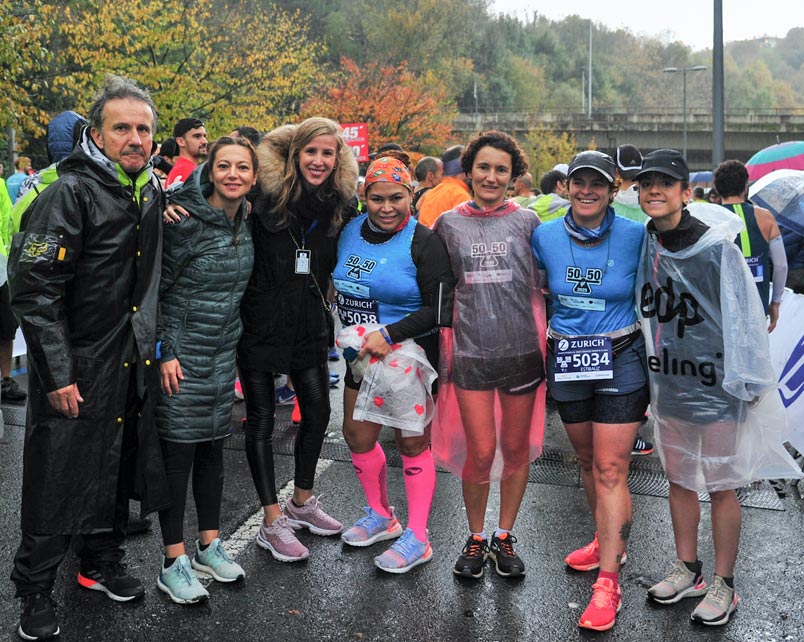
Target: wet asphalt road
338 595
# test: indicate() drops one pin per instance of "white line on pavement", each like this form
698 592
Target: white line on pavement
247 533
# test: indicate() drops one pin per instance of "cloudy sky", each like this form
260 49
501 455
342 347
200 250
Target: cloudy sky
690 21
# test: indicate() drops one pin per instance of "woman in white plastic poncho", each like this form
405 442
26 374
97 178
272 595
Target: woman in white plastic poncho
719 420
489 421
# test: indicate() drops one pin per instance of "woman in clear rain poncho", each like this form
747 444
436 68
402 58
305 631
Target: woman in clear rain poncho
719 420
489 423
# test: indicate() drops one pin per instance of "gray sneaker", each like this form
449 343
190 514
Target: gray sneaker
312 516
180 583
280 539
679 583
718 605
216 561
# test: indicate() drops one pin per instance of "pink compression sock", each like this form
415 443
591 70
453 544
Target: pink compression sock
420 480
370 469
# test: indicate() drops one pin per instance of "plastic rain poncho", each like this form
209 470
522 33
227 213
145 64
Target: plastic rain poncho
719 421
394 391
499 319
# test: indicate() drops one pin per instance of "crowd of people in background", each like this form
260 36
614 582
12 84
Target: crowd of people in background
152 283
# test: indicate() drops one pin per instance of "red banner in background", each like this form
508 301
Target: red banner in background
356 136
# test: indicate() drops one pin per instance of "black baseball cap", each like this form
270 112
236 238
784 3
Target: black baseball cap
665 161
629 161
185 125
593 159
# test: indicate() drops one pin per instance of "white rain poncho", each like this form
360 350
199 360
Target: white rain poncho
394 391
719 421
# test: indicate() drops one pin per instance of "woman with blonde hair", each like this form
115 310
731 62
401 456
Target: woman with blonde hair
307 179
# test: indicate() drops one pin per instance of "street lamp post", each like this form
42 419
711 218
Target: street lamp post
684 71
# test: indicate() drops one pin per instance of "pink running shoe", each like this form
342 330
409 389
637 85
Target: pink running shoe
312 517
280 539
588 557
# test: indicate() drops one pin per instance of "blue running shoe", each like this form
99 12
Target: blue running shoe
333 354
372 528
216 561
334 379
285 396
180 583
405 553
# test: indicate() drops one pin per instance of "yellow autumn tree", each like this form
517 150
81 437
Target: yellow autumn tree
23 57
230 63
546 148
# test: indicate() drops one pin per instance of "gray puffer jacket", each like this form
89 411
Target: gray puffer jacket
206 264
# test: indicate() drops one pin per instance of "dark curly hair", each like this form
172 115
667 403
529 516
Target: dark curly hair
731 178
497 140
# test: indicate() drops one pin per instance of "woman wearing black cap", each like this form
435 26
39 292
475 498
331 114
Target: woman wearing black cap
719 421
595 361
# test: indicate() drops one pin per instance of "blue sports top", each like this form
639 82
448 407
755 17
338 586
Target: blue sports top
592 287
376 283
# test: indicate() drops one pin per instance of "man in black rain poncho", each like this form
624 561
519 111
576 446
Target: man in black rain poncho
84 278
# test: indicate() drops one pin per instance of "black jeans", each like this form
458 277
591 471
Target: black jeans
38 556
205 459
312 391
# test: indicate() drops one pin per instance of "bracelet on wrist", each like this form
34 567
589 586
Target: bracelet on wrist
386 336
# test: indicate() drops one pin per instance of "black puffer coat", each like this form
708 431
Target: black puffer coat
206 264
84 278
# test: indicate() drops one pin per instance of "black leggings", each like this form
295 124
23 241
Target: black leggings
205 459
312 391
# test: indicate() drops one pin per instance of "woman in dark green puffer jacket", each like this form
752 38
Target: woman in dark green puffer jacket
206 264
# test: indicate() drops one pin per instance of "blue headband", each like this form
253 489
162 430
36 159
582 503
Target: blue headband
453 167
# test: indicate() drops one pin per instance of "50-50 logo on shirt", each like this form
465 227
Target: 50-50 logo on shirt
489 252
583 279
357 266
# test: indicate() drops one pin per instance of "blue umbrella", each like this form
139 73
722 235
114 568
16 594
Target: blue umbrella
701 177
782 192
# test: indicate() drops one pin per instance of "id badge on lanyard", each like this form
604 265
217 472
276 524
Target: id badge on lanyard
302 261
302 254
583 358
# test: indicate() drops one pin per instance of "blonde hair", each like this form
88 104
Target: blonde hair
281 179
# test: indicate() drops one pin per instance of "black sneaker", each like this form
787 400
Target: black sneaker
111 578
38 618
10 392
137 525
641 447
473 556
506 561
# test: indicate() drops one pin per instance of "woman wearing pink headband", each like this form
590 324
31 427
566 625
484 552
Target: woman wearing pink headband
391 271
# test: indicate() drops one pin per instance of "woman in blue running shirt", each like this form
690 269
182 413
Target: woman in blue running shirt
390 270
596 361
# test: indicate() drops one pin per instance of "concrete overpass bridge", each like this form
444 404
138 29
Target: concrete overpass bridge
746 131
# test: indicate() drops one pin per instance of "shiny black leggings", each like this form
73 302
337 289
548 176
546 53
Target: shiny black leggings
312 391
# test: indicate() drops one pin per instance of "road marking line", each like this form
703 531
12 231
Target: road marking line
247 533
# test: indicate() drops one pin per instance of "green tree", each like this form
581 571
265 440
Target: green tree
23 59
231 63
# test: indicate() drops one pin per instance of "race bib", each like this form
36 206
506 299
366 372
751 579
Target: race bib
583 358
756 267
353 311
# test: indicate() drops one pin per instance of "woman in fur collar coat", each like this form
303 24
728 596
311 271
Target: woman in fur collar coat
307 180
